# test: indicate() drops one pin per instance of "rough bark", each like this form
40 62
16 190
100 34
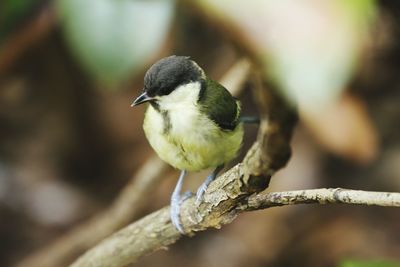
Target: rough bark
223 202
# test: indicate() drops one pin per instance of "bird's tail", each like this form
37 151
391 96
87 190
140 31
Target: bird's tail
249 119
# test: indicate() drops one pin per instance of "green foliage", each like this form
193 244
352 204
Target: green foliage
114 38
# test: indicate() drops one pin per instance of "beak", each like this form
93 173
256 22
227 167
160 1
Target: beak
141 99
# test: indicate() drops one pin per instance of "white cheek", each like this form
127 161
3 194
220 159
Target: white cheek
183 96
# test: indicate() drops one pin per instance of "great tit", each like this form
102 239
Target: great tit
192 122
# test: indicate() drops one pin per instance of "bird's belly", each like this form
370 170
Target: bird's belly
192 142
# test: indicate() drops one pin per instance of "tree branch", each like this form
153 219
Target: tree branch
223 204
322 196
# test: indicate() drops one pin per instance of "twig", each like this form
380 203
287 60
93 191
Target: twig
223 204
322 196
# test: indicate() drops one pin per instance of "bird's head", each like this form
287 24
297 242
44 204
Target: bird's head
166 75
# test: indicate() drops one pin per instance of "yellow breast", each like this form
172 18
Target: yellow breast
191 141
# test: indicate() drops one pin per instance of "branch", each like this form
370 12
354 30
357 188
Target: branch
223 204
271 151
322 196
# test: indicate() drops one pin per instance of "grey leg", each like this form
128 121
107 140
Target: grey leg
176 201
203 187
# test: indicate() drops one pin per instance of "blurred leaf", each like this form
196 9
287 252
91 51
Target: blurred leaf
344 128
308 47
375 263
11 13
114 38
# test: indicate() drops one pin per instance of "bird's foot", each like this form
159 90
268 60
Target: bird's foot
203 187
200 193
176 203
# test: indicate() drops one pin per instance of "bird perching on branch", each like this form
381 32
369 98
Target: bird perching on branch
192 122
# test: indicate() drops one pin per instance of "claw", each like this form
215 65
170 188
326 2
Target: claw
175 215
203 187
200 192
176 204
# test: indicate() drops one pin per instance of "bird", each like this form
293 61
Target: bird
192 123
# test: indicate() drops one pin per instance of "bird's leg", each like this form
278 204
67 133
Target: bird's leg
203 187
176 202
250 119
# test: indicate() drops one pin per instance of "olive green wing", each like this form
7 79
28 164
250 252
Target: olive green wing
219 105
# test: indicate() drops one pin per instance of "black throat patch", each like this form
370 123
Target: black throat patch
165 117
166 121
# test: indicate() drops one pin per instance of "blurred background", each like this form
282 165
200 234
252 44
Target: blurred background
69 141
